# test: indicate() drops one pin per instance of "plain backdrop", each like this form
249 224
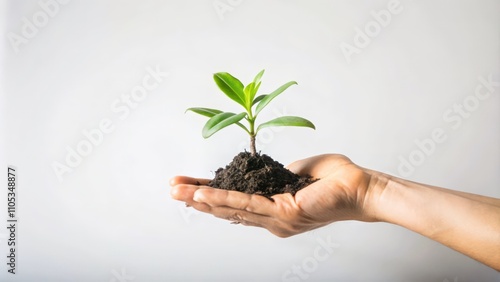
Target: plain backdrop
67 65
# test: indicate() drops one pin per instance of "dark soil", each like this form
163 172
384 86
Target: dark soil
260 175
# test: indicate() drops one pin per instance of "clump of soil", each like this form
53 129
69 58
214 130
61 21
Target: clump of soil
260 175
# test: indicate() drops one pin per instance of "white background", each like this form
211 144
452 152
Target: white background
112 219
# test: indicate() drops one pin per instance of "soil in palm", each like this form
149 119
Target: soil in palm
258 174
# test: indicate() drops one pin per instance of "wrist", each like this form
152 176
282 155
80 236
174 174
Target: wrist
372 203
394 200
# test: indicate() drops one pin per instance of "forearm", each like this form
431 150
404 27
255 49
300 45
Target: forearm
467 224
475 197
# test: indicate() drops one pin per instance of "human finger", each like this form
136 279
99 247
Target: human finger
235 216
274 225
236 200
315 166
181 179
183 192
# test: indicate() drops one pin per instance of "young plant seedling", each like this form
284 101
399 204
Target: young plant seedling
247 97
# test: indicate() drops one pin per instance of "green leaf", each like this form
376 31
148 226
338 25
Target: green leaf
205 111
257 78
210 113
219 121
260 97
271 96
249 94
287 121
255 90
231 86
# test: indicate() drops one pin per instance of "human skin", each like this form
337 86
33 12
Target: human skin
465 222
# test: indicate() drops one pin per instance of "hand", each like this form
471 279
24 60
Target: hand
465 222
340 194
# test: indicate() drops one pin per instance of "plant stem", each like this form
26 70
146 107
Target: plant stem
253 151
253 134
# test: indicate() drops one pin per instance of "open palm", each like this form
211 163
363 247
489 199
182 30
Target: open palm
338 195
